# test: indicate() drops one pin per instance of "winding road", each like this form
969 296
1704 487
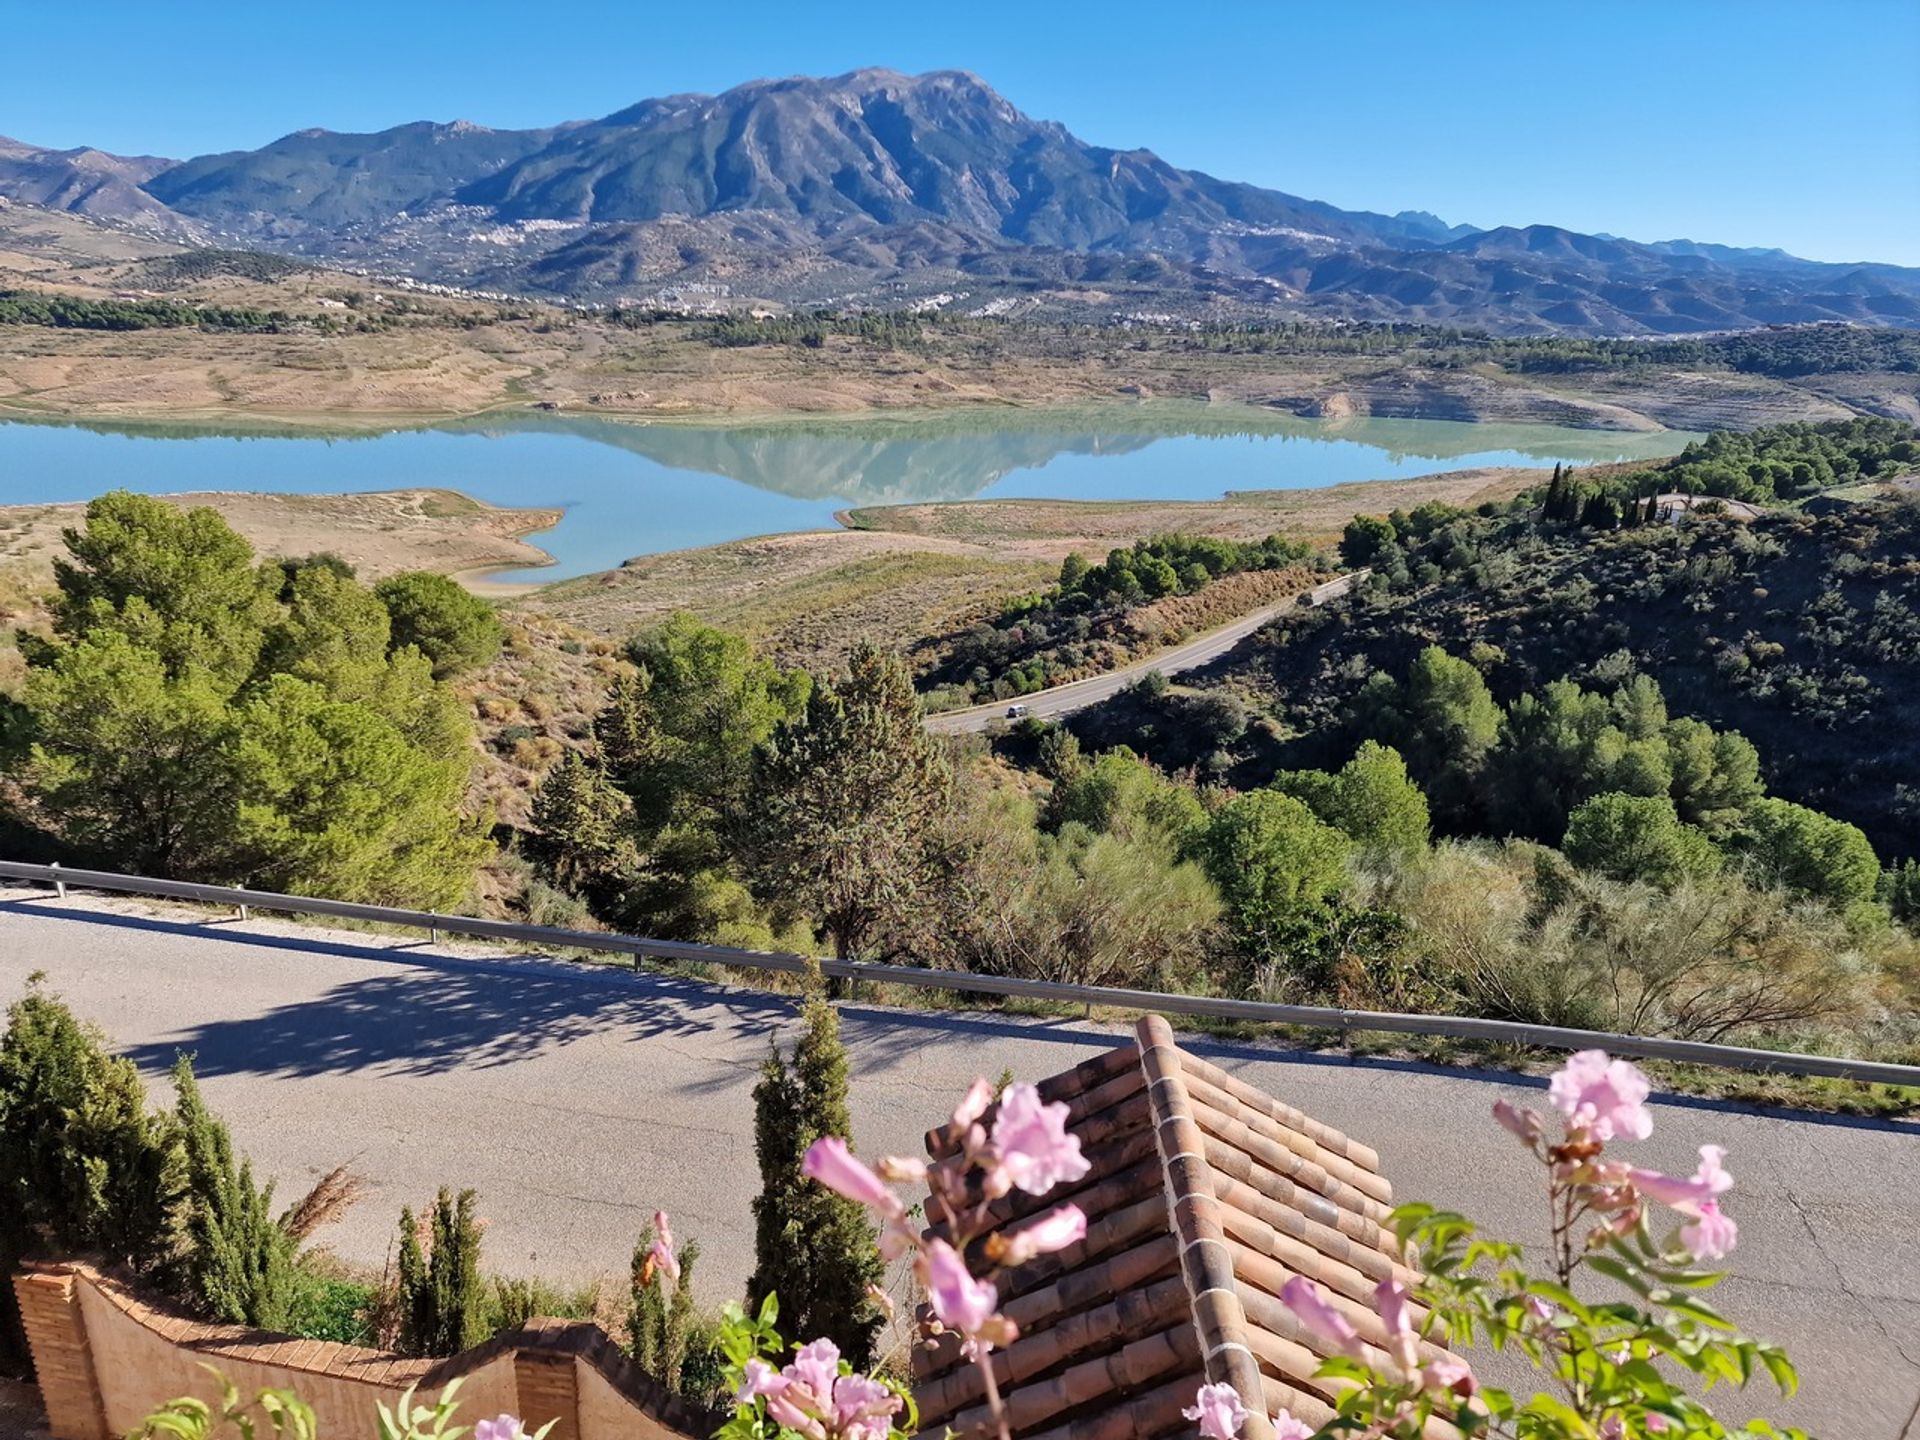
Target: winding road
1189 655
577 1098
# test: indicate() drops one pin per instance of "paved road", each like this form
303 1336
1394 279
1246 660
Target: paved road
1079 694
577 1099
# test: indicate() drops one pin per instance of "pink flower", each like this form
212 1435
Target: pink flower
1219 1411
1603 1097
1613 1428
660 1256
814 1368
1687 1196
1539 1309
1031 1143
1303 1297
1451 1373
834 1166
1711 1236
1056 1230
760 1379
501 1427
1656 1424
1285 1427
1523 1123
962 1302
862 1407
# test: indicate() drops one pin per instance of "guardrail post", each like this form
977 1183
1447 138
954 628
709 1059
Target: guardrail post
433 931
59 885
243 904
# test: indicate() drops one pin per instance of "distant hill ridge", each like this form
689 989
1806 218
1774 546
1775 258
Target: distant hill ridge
877 184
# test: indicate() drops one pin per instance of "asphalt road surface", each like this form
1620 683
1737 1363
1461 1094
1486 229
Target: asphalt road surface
1079 694
577 1099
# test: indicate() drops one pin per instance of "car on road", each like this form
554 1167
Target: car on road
1014 712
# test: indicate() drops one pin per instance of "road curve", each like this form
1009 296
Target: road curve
577 1098
1078 694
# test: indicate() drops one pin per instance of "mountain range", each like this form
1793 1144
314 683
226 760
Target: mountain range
877 188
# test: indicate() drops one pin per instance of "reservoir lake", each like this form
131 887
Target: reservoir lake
633 488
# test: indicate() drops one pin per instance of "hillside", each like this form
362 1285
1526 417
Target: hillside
1799 631
882 189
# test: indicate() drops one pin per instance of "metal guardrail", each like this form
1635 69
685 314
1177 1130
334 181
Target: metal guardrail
1462 1027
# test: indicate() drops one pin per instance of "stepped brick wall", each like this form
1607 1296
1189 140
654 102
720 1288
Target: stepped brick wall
106 1356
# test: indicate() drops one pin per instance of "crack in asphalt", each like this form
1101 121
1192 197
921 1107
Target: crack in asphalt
1862 1301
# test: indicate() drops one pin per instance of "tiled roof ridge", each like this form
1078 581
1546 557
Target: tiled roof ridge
1193 1210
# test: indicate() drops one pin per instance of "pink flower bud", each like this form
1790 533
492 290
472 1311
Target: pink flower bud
1057 1229
1524 1124
1285 1427
830 1162
1310 1306
1390 1299
972 1105
1452 1374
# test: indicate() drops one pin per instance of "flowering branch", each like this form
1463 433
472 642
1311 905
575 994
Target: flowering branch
1610 1362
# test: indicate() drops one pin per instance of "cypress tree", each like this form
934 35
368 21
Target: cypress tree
239 1260
812 1248
443 1306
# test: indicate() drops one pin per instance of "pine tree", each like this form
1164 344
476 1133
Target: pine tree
443 1306
812 1248
848 799
239 1260
582 836
661 1321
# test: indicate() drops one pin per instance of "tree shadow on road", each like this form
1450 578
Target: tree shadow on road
426 1013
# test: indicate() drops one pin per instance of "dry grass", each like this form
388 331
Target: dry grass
332 1195
804 598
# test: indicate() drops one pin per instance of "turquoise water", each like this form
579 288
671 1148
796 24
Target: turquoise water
635 489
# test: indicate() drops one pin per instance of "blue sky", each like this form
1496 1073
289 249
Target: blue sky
1741 121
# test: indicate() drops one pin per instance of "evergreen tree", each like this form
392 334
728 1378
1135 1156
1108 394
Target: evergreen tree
239 1260
443 1305
812 1248
454 628
85 1168
848 798
582 825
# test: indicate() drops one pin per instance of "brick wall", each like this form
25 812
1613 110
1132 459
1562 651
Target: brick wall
106 1357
